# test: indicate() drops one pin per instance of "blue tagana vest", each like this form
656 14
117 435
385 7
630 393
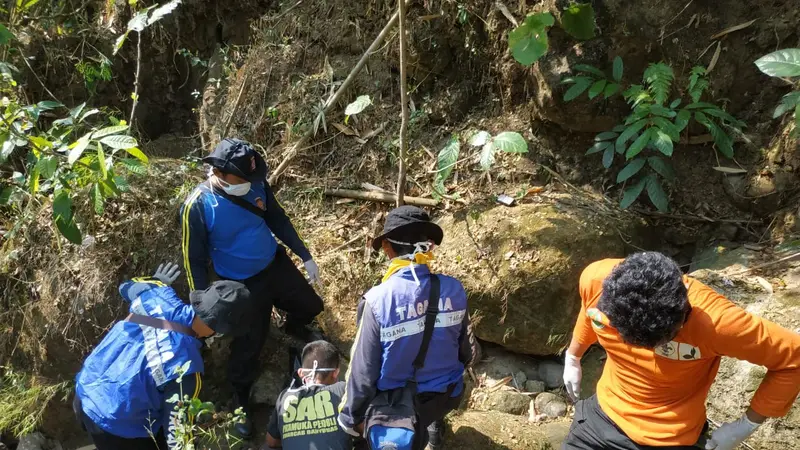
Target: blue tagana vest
399 306
120 383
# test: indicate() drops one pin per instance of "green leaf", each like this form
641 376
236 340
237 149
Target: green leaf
29 4
611 89
631 169
662 141
48 105
33 180
723 142
598 147
7 148
719 113
657 194
69 229
448 156
6 194
578 21
6 36
97 200
101 160
511 142
618 67
658 77
630 132
122 184
134 166
661 167
162 11
120 42
640 143
47 166
788 103
661 111
608 157
40 143
119 142
597 88
675 103
479 139
76 111
589 69
138 154
62 205
632 193
682 120
487 156
109 130
697 83
528 42
606 135
667 127
581 84
359 105
78 148
782 63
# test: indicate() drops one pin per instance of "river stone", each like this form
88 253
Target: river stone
509 402
521 266
520 378
552 373
550 404
535 386
37 441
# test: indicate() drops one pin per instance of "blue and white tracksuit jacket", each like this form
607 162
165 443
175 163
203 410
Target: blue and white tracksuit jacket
121 384
391 324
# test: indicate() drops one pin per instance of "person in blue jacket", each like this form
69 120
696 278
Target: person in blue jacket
390 333
232 220
122 390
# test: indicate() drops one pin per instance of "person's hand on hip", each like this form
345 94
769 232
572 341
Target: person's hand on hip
313 271
572 376
167 273
730 435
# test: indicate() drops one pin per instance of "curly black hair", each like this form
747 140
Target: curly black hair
645 299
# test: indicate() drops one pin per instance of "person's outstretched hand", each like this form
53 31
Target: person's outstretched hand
313 271
572 376
167 273
730 435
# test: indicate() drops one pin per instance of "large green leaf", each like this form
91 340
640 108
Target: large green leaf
788 103
134 166
630 132
657 194
486 158
611 89
631 169
8 146
632 193
640 143
77 149
618 67
528 42
6 36
33 180
101 160
97 200
479 138
661 167
62 205
448 156
606 135
608 157
658 78
109 130
138 154
581 84
598 147
723 142
511 142
589 69
69 229
48 105
662 141
597 88
782 63
47 166
578 21
359 105
119 142
682 119
667 127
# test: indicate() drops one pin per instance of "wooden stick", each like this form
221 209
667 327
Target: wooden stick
379 197
228 122
347 82
401 178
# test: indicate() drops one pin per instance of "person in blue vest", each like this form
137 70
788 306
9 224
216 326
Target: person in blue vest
390 333
232 220
123 388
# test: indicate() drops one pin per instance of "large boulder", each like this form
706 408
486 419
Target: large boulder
494 430
521 265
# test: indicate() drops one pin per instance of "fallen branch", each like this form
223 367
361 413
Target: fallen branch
379 197
332 101
741 26
691 218
235 107
503 9
136 79
401 177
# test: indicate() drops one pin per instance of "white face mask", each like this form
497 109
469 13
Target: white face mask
236 190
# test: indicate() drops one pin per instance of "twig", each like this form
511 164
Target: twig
235 107
688 217
279 16
379 197
136 80
25 59
342 89
663 28
401 178
503 9
771 263
741 26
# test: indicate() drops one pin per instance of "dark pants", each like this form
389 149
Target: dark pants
431 409
592 429
280 285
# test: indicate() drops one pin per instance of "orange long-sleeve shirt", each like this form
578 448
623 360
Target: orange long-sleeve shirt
657 397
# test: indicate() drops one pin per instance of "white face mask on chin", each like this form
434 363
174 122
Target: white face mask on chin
236 190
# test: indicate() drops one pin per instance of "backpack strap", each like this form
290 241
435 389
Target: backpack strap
237 200
430 323
162 324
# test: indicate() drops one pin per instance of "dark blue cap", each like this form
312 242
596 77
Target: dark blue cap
238 157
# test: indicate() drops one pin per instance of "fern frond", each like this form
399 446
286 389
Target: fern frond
658 78
698 83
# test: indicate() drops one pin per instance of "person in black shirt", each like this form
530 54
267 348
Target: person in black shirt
306 418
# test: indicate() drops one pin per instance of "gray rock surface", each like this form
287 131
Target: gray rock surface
552 373
535 386
551 404
509 402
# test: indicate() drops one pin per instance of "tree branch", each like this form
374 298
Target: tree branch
401 179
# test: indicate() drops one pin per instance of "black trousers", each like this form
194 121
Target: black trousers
431 409
281 285
592 429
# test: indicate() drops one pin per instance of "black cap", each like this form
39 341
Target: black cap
238 157
409 220
225 307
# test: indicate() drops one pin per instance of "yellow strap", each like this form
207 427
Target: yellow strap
198 384
185 238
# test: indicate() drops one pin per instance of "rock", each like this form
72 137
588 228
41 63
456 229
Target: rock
552 373
723 255
509 402
551 404
535 386
491 430
498 364
520 378
37 441
520 267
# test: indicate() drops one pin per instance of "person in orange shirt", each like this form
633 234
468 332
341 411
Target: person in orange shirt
665 334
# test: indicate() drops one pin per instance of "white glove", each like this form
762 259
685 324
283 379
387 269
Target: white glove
730 435
572 376
313 271
167 273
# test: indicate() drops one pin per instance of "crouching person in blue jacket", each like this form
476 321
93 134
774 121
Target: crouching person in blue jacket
123 387
391 323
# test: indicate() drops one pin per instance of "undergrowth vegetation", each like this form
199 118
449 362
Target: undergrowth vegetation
785 64
24 399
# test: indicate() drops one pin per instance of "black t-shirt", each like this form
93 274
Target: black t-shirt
307 418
